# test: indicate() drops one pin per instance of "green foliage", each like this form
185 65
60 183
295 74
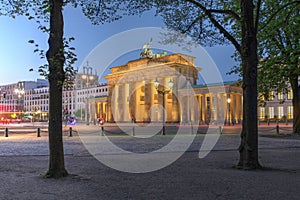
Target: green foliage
38 11
13 8
70 59
200 21
279 45
100 12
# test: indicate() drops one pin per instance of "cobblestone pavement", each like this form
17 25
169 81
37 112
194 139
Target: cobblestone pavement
19 143
24 156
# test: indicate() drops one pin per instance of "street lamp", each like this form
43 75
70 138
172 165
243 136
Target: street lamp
87 74
228 118
19 93
163 91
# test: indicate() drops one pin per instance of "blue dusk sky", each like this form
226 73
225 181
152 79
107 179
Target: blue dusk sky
17 57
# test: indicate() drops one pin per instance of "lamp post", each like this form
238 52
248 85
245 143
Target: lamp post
163 91
19 93
87 74
229 115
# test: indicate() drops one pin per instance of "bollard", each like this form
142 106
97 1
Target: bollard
220 130
277 129
102 130
6 132
38 132
133 131
71 131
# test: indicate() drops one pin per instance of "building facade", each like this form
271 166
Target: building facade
132 94
277 107
12 97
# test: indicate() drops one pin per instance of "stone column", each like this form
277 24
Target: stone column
105 110
168 101
120 102
93 111
126 103
203 108
114 108
100 108
233 107
195 109
221 110
198 98
132 100
175 103
110 102
160 100
219 107
229 111
184 109
148 99
214 102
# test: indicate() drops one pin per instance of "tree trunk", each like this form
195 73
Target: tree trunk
56 59
249 137
296 104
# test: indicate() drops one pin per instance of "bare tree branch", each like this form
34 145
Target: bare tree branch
257 15
229 12
192 24
217 24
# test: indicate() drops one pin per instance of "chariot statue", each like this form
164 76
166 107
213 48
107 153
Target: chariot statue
147 52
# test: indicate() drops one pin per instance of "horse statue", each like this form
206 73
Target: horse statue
147 52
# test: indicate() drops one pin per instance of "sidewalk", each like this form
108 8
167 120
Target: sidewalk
23 159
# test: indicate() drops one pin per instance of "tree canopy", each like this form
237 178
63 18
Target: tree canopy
60 58
279 50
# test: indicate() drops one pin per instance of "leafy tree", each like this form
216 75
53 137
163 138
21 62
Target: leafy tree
43 12
60 58
217 22
212 22
279 48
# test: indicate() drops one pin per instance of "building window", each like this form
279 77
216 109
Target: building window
290 95
290 112
261 97
262 113
271 95
280 112
280 96
271 112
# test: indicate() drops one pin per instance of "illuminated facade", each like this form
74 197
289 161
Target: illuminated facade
12 97
132 94
279 106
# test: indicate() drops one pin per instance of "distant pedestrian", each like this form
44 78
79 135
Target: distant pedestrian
101 121
133 120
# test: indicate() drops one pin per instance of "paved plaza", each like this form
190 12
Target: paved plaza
24 158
